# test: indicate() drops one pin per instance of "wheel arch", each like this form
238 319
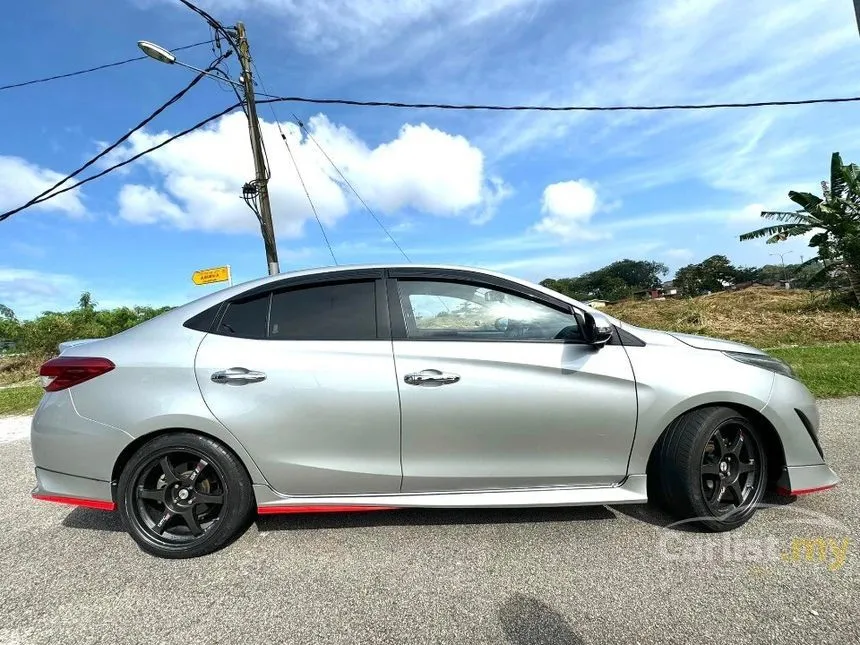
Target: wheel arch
774 450
134 445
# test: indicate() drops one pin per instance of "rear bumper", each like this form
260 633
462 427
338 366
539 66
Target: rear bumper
802 480
69 489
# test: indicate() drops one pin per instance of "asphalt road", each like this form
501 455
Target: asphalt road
576 575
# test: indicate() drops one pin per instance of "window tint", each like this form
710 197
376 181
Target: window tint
245 318
330 312
453 310
204 320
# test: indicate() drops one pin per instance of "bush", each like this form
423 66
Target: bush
40 336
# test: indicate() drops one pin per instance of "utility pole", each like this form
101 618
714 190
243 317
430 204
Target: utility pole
782 260
261 182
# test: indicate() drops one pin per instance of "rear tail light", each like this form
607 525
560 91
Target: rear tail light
66 371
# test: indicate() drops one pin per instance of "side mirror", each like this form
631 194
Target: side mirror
597 329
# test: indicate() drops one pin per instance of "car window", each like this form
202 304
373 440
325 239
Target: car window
344 311
460 311
245 318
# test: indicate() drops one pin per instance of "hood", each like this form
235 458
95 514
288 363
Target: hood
705 342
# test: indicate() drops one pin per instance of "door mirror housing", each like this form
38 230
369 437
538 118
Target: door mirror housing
596 329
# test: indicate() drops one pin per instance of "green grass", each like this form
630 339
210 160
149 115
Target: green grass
827 370
19 400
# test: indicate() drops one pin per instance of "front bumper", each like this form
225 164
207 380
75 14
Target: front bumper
802 480
794 414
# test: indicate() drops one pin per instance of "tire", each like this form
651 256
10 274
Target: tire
710 467
183 495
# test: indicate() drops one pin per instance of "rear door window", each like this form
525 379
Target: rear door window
344 311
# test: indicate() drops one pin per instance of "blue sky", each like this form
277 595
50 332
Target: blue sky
535 195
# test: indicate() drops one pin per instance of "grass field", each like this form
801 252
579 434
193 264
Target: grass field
819 340
759 316
827 370
19 400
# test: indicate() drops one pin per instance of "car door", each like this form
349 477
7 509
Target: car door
498 389
303 375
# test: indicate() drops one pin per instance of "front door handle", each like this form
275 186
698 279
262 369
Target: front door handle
431 378
238 376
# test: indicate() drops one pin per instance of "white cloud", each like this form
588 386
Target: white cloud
28 293
679 255
146 205
423 169
21 180
684 51
337 25
568 207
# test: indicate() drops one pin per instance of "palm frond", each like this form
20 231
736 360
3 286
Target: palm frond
851 174
807 201
808 262
793 217
778 232
837 174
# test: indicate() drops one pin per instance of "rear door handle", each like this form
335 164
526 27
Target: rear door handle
238 376
431 378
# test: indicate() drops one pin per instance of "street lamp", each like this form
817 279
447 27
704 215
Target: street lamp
782 260
267 228
162 55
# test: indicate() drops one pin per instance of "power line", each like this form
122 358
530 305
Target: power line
94 69
551 108
116 166
217 26
49 192
310 201
298 171
351 187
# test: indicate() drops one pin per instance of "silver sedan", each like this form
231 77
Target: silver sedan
381 387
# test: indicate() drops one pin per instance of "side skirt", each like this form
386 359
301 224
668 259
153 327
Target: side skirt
631 491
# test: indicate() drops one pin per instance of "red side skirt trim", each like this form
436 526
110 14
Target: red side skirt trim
77 501
803 491
278 510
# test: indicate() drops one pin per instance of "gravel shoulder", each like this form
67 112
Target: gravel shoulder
522 576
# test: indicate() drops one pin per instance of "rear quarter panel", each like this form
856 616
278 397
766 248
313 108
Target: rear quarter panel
153 387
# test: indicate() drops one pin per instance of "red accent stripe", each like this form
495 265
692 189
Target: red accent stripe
803 491
77 501
278 510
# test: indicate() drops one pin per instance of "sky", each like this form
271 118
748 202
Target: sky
531 194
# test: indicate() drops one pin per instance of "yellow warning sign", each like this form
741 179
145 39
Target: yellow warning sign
208 276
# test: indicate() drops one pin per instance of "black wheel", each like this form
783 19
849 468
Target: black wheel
711 466
183 495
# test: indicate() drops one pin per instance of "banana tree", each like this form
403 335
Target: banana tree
834 219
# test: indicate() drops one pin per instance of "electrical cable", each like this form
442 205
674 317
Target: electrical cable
176 97
310 201
196 126
351 187
94 69
551 108
214 24
298 171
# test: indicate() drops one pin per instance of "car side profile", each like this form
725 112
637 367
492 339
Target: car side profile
371 387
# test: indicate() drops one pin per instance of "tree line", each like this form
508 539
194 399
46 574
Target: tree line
629 278
41 335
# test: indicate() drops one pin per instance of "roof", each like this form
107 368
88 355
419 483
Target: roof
213 298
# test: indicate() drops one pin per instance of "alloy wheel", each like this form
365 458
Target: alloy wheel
731 469
178 498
